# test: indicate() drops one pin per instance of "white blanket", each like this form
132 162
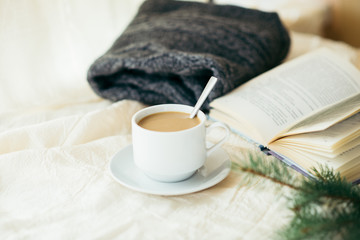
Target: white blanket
57 138
55 184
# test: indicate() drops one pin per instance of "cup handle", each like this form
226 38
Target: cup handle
221 141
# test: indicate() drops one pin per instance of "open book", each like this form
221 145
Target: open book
305 111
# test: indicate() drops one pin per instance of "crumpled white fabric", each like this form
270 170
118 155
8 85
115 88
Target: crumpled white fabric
57 138
55 184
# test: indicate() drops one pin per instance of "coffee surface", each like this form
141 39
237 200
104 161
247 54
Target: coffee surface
168 121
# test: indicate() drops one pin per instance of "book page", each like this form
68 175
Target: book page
292 91
351 169
327 117
308 160
329 153
329 139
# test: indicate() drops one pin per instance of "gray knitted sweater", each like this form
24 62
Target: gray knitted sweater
171 48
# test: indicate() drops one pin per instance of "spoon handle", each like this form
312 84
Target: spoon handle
209 86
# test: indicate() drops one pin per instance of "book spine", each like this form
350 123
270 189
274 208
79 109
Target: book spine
356 182
287 161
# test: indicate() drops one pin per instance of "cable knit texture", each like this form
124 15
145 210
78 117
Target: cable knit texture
171 48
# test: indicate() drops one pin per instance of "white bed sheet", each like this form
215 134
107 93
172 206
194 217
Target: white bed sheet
57 138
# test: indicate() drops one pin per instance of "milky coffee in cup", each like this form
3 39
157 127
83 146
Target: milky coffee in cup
168 121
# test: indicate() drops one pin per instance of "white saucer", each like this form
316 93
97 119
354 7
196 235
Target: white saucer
124 171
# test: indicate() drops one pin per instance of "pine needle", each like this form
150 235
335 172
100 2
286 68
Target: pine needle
326 208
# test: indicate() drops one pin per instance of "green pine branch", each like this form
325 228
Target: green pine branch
326 208
267 169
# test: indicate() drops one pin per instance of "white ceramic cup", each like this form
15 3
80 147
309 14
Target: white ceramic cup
172 156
